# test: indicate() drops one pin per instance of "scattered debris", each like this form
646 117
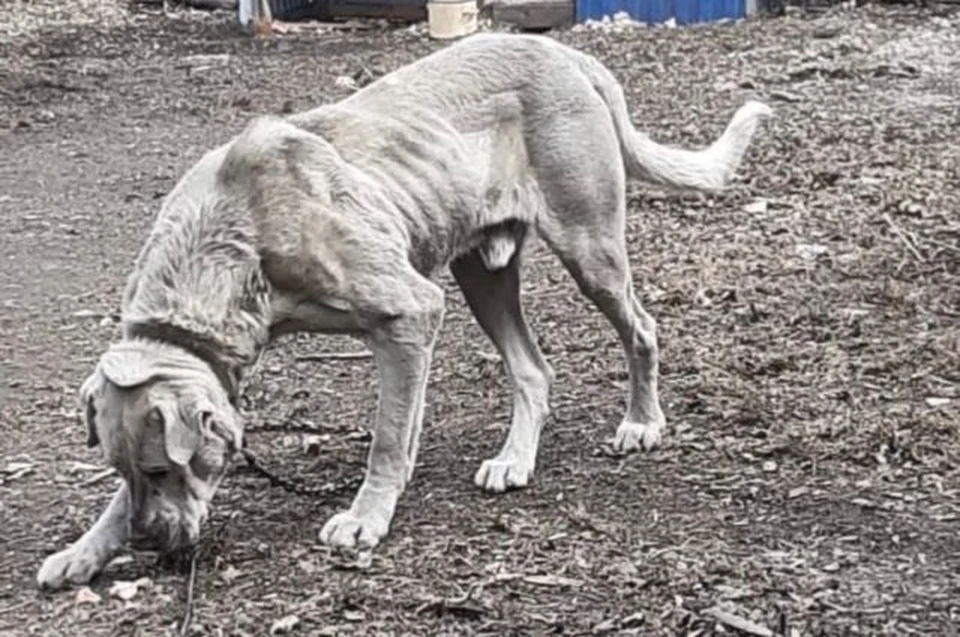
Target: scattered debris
757 206
334 356
15 470
313 443
127 590
80 467
199 63
230 574
204 61
739 623
796 492
810 251
345 81
188 606
99 477
355 616
284 625
552 580
619 23
85 595
907 241
785 96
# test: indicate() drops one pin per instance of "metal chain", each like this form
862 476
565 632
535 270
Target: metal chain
292 487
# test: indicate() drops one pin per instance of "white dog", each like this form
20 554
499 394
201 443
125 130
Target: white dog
335 221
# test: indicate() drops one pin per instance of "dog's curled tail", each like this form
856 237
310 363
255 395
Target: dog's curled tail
709 169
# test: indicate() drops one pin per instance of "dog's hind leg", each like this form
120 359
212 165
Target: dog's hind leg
403 346
581 173
494 298
600 268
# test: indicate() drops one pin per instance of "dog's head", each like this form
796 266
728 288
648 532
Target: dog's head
164 421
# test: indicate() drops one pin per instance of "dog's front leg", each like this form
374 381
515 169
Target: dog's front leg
86 557
402 348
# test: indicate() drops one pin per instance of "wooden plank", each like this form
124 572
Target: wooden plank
403 11
532 14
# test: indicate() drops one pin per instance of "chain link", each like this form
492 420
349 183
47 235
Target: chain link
292 487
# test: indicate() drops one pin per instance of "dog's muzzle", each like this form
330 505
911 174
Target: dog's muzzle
167 529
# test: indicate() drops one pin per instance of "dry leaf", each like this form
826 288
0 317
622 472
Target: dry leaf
312 444
284 625
126 590
810 251
229 574
307 566
86 595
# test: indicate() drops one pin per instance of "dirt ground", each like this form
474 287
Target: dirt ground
809 324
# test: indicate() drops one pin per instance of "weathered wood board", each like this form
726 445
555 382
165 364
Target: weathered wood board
532 14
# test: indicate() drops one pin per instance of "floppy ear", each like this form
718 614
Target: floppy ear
223 424
89 410
181 436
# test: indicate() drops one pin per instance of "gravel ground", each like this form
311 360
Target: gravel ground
809 323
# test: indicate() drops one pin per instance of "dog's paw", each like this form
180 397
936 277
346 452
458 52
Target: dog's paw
498 475
75 565
351 531
632 436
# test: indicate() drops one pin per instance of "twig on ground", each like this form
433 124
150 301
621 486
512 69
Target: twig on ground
10 609
897 230
739 623
333 356
191 580
98 477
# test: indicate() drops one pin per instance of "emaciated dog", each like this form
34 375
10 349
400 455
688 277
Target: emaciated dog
336 220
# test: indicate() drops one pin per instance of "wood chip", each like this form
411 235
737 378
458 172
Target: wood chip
334 356
126 590
284 625
739 623
86 595
551 580
796 492
230 574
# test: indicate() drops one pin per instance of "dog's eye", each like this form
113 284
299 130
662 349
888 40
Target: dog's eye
156 474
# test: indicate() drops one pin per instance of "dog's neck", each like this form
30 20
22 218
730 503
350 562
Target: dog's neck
229 374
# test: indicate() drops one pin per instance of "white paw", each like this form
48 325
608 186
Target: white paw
75 565
351 531
632 436
498 475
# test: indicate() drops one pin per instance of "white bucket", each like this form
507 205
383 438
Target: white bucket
452 18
